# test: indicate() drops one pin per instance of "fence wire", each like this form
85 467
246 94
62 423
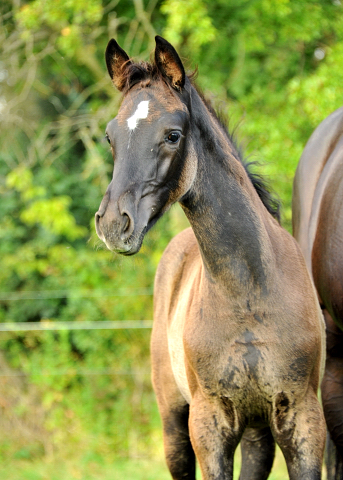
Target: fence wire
91 325
70 326
79 293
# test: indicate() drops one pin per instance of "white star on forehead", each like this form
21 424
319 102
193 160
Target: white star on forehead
140 113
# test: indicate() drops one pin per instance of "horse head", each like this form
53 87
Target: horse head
153 164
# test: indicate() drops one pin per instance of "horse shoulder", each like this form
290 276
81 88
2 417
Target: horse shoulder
175 278
313 162
180 259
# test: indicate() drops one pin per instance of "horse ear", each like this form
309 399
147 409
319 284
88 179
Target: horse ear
116 60
169 63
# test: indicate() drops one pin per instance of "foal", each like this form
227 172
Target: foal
237 343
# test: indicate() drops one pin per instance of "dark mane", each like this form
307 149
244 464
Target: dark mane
261 186
145 73
268 198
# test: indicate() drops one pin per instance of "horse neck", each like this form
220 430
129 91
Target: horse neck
224 210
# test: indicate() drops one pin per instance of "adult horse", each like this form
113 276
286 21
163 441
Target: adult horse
318 227
237 344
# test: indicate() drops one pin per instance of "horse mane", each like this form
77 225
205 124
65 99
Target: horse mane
264 191
267 196
146 72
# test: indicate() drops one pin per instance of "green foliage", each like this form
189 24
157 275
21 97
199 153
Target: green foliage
275 71
72 20
55 168
51 213
188 18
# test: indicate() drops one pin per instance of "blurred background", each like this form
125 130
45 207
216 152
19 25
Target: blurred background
76 402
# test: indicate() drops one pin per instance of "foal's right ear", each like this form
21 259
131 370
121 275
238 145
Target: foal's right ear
116 60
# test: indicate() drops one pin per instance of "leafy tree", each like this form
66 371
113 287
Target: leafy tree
56 98
275 67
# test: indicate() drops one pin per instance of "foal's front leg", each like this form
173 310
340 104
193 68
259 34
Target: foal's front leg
299 429
215 433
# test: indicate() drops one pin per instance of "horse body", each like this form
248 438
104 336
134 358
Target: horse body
234 350
319 160
318 226
229 346
237 342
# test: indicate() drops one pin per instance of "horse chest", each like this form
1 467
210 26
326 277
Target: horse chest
233 364
222 358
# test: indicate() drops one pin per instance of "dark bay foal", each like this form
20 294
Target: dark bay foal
237 344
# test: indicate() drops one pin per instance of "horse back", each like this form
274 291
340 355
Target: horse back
310 182
327 251
318 213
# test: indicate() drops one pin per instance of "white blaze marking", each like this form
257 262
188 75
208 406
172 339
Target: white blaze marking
141 112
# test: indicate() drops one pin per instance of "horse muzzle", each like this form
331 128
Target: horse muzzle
121 226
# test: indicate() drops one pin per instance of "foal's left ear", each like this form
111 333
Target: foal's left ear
117 61
169 63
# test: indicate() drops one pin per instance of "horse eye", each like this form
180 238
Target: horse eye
108 139
173 137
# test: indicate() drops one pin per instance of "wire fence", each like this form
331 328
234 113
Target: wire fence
78 371
72 326
91 325
78 293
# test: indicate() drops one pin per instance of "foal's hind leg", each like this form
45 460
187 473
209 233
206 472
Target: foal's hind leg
174 412
179 453
258 451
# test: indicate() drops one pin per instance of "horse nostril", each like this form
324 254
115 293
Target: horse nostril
126 222
97 226
97 219
127 227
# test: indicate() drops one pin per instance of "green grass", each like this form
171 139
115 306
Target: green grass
93 466
99 469
60 470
